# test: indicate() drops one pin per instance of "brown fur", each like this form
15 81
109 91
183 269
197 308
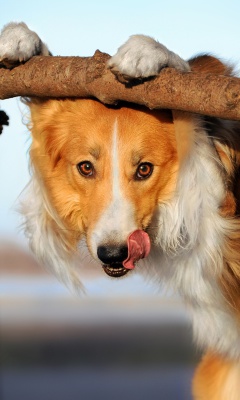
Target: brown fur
217 378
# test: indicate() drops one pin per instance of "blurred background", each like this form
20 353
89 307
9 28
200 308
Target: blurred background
125 338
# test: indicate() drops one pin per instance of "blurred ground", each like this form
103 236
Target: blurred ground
94 384
115 343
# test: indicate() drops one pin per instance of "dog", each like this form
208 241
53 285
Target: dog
152 190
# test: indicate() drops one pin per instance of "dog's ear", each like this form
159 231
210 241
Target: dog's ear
191 219
47 237
46 135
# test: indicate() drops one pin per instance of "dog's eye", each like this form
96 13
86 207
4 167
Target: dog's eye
86 168
144 170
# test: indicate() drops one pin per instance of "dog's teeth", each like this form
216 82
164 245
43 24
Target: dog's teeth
115 271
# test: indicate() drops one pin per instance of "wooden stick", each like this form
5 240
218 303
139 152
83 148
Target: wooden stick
208 94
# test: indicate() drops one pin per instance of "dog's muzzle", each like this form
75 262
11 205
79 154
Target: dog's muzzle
119 260
112 257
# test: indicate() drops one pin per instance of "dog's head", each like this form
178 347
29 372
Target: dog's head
123 180
102 173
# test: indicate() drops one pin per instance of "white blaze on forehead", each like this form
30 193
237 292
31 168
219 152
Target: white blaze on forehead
115 164
117 220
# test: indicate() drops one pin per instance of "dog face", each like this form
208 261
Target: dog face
104 171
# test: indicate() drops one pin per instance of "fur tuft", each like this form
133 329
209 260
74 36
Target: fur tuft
47 235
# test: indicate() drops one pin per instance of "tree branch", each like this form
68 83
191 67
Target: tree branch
208 94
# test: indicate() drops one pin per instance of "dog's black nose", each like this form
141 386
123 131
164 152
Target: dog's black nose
112 254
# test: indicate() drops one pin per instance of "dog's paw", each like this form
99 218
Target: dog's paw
18 44
143 57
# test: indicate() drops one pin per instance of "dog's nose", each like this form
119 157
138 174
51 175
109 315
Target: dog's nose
112 254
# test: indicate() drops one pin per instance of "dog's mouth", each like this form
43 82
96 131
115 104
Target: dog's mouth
138 247
115 270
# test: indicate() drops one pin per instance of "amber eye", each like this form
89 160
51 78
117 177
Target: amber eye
86 168
144 170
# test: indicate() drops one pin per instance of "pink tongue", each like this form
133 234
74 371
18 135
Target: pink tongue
138 247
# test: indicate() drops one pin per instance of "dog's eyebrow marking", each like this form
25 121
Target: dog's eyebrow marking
136 158
95 152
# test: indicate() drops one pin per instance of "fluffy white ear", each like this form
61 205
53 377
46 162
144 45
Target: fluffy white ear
188 228
191 220
47 236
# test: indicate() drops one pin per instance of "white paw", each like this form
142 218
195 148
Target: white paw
18 43
143 57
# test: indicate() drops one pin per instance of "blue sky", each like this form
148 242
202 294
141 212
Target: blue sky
76 27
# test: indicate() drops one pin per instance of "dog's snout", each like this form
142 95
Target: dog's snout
112 254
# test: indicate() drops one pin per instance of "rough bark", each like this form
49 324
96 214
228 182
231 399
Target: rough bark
207 94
